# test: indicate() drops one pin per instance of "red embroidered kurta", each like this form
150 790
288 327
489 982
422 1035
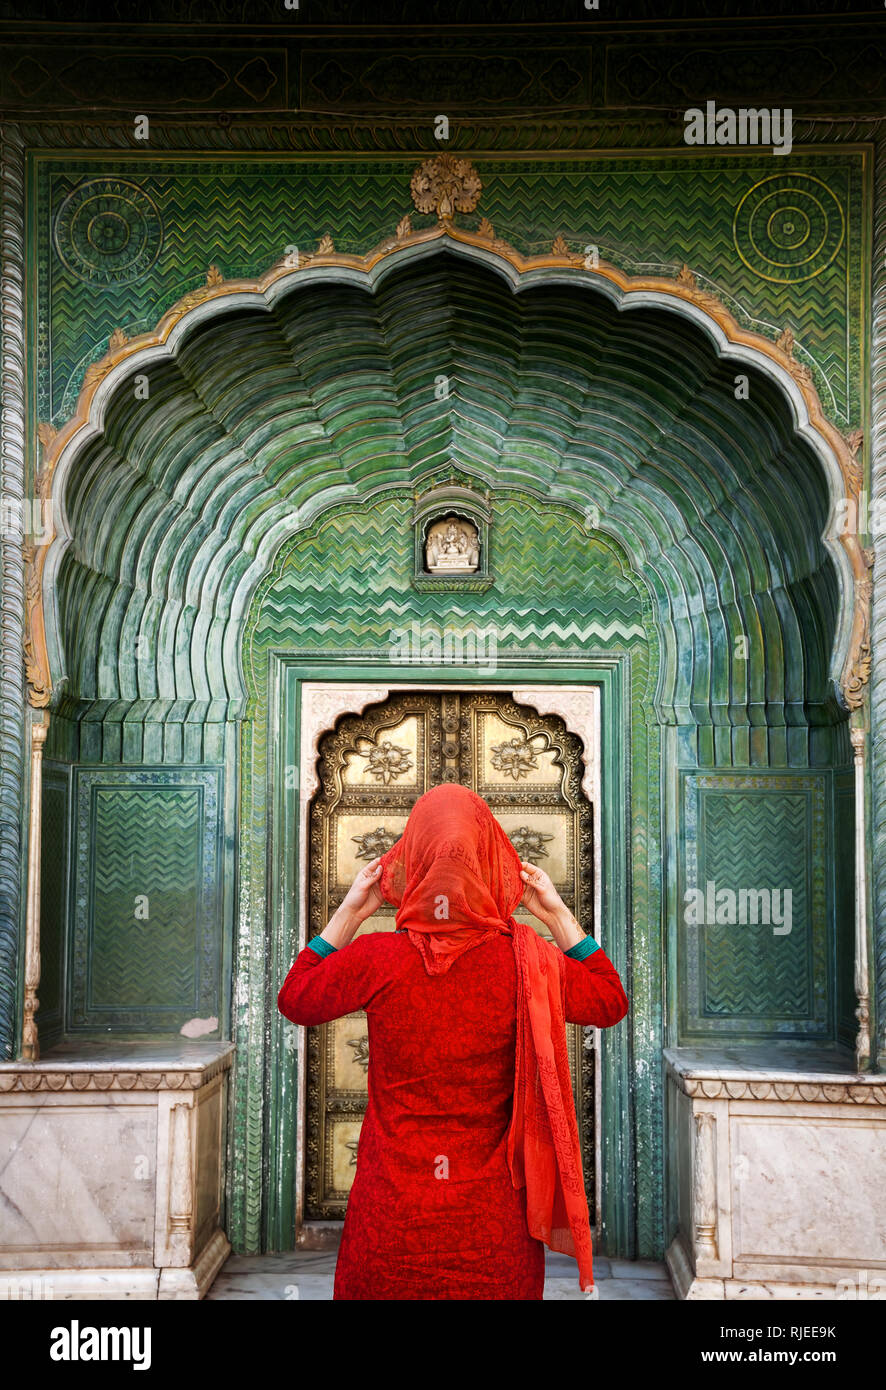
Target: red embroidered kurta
433 1212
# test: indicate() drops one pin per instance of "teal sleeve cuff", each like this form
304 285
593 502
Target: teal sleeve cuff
322 947
583 948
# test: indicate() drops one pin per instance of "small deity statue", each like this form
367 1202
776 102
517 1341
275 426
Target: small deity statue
453 547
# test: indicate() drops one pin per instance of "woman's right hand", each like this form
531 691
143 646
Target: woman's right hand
541 898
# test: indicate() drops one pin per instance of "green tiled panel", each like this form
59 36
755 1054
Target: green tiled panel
781 241
53 904
756 979
135 963
844 900
749 841
146 945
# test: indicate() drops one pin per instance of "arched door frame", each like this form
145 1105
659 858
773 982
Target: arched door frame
593 697
850 658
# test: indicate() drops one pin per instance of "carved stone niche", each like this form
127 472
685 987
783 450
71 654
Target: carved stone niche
452 546
452 525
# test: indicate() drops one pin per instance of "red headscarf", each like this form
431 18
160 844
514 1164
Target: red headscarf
455 879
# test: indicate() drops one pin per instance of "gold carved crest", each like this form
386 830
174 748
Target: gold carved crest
446 185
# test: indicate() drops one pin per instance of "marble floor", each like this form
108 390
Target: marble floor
308 1274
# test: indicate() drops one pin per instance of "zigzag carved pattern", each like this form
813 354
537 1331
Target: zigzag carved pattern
242 223
52 899
147 842
663 214
322 598
756 841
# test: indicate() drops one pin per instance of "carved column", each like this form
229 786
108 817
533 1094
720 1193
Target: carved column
181 1203
30 1042
878 622
862 984
12 583
705 1187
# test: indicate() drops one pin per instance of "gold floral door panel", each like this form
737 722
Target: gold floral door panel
372 768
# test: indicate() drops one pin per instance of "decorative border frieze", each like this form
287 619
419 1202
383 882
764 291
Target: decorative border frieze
292 131
877 744
60 1078
868 1091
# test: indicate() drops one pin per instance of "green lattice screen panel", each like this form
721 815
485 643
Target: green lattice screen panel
756 979
146 937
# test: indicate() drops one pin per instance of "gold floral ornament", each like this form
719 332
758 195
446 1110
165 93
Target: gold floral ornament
361 1054
96 372
46 434
859 672
387 761
446 185
854 468
798 371
374 842
687 280
515 758
33 640
785 341
530 844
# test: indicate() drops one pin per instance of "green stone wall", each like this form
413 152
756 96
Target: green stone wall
564 598
782 241
145 940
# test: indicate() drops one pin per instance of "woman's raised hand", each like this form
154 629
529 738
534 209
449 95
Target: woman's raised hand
544 902
364 895
361 900
539 894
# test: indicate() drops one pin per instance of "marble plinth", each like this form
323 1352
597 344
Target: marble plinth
112 1170
776 1174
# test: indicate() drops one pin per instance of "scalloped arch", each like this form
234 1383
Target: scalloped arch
271 401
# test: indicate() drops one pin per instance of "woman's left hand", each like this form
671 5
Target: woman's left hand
539 894
361 900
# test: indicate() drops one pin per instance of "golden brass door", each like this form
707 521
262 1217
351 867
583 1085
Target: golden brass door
372 769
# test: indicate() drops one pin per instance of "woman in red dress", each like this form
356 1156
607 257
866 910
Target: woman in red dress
469 1159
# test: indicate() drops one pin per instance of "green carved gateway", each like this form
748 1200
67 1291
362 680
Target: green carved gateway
645 375
636 542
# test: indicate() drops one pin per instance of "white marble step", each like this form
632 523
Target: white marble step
307 1275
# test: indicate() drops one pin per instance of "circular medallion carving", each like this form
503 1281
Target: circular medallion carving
108 232
788 228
